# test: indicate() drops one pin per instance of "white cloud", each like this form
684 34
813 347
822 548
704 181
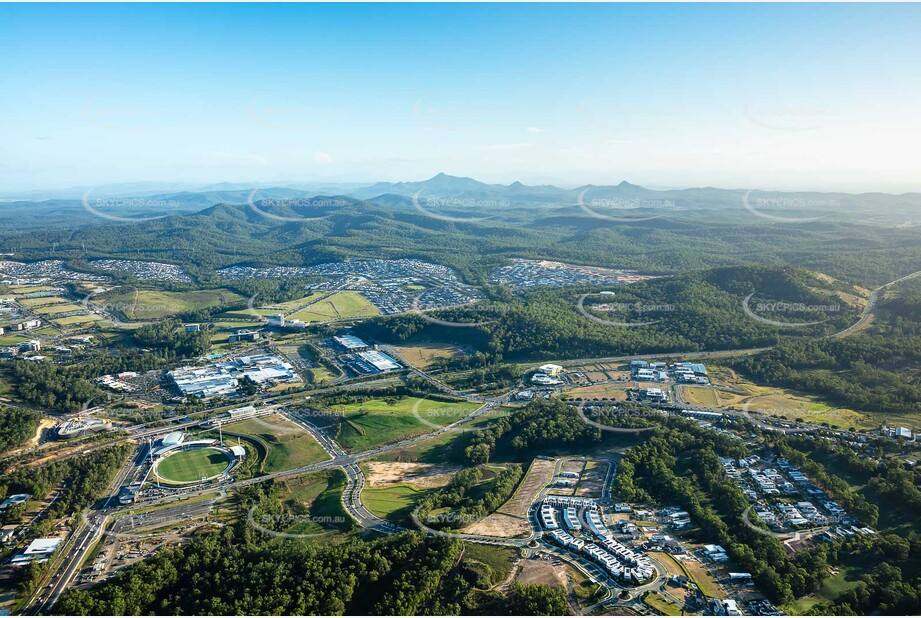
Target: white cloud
507 146
536 130
323 158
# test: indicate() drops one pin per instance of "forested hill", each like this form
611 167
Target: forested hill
299 231
224 574
696 311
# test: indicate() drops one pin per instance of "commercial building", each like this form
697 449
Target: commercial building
351 343
277 319
14 500
224 378
7 533
379 360
550 369
38 550
653 394
33 345
79 426
243 335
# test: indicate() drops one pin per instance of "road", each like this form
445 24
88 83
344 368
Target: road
871 304
88 530
84 537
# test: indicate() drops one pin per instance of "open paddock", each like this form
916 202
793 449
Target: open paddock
288 445
423 355
339 306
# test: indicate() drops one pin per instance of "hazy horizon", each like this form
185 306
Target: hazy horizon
730 96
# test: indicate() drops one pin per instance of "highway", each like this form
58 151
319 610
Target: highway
84 537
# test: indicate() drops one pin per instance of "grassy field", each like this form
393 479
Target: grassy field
845 579
773 401
75 319
318 496
339 306
425 354
155 304
701 395
447 448
29 289
375 422
292 306
394 503
617 392
661 605
39 302
699 575
288 446
191 465
493 564
54 309
7 340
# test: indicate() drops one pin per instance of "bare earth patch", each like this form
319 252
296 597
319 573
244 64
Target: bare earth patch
542 572
424 476
424 354
43 424
511 520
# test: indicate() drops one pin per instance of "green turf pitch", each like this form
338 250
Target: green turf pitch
192 465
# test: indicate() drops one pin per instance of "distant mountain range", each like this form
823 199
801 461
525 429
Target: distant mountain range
450 195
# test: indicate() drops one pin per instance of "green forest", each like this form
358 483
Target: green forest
234 572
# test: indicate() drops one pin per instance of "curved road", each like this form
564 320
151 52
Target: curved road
84 535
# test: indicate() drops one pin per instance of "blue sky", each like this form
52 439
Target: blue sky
769 96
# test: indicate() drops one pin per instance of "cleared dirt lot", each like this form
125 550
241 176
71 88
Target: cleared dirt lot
617 392
424 354
542 572
511 520
425 476
592 481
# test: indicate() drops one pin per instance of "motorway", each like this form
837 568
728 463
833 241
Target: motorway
86 532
